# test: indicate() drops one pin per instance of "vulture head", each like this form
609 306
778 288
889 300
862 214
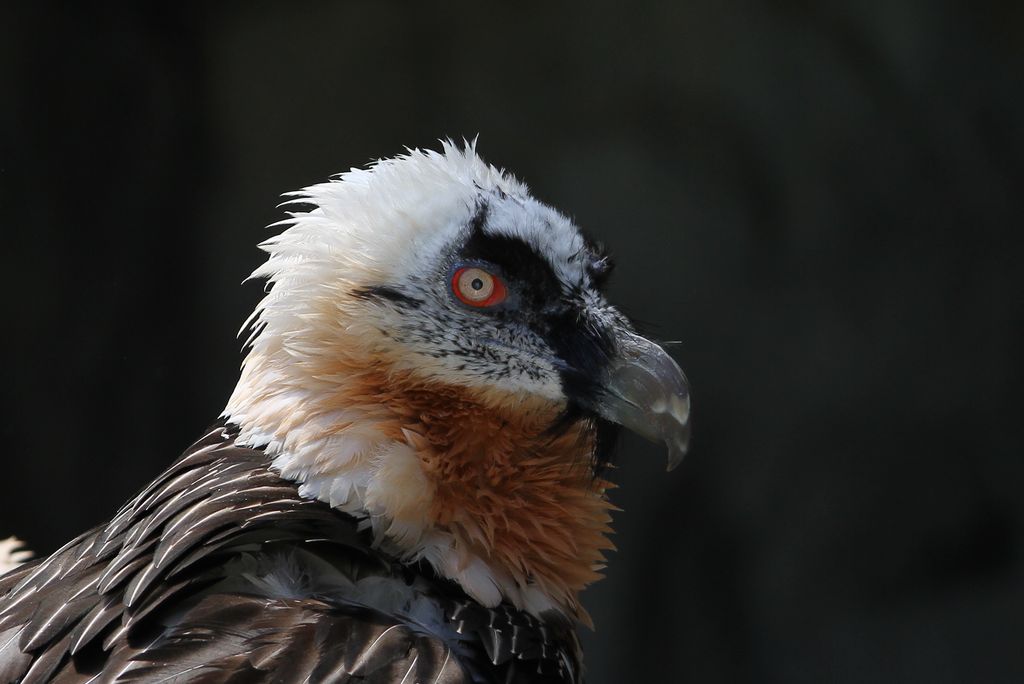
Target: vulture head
435 356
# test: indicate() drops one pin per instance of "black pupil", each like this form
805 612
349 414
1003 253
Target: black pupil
477 284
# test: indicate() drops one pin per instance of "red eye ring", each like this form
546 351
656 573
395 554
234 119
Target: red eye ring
478 288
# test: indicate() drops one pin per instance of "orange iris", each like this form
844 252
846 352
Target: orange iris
478 288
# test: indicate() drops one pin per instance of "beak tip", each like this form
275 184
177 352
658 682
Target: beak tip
677 451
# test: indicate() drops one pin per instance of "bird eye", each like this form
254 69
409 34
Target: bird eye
478 288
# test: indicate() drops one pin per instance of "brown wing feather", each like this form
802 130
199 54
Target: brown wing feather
234 638
166 592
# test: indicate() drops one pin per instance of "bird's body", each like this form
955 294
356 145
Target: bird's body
221 572
406 483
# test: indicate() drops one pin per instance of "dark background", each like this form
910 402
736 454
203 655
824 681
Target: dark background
821 200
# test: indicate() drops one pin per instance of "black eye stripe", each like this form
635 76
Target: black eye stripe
516 259
390 294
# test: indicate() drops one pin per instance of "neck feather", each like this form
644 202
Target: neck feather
475 483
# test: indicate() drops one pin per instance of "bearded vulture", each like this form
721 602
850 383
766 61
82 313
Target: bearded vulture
407 483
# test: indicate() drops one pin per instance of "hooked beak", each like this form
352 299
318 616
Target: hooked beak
646 392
